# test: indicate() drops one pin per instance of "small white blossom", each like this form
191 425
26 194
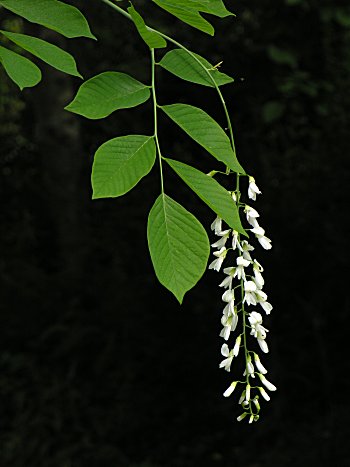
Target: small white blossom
256 402
237 346
251 215
217 263
258 330
229 321
222 242
229 298
267 384
235 239
260 235
253 190
234 197
247 393
258 269
249 296
246 248
266 306
251 419
259 365
227 282
230 389
217 226
264 394
242 398
225 352
241 264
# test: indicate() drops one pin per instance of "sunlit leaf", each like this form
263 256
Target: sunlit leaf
21 70
211 192
49 53
120 164
103 94
206 131
178 245
53 14
182 64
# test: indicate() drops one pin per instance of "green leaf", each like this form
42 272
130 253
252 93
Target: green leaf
211 192
152 38
178 244
21 70
189 11
120 164
103 94
187 14
182 64
53 14
203 129
47 52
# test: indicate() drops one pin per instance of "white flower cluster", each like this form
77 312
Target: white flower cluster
248 272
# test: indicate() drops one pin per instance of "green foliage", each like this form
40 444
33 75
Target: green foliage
189 11
151 38
21 70
107 92
49 53
53 14
121 163
211 192
185 66
178 244
205 131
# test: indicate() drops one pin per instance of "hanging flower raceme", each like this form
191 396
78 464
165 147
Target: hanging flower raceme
243 288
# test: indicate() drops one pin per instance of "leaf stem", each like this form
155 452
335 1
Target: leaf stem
155 116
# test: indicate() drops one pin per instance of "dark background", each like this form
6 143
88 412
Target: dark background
99 365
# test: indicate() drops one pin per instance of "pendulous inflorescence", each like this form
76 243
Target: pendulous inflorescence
244 302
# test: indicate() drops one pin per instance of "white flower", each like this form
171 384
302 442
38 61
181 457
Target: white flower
241 264
264 394
236 348
225 352
230 389
260 235
217 226
251 419
260 295
234 197
229 321
234 239
229 298
259 365
267 384
253 190
256 402
227 282
258 330
247 393
217 263
242 398
251 215
249 296
222 242
258 269
246 248
266 306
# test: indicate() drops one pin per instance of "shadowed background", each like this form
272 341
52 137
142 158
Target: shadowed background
99 365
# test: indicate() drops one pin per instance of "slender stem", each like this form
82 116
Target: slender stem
155 115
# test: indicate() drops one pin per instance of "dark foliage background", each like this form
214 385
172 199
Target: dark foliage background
99 366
